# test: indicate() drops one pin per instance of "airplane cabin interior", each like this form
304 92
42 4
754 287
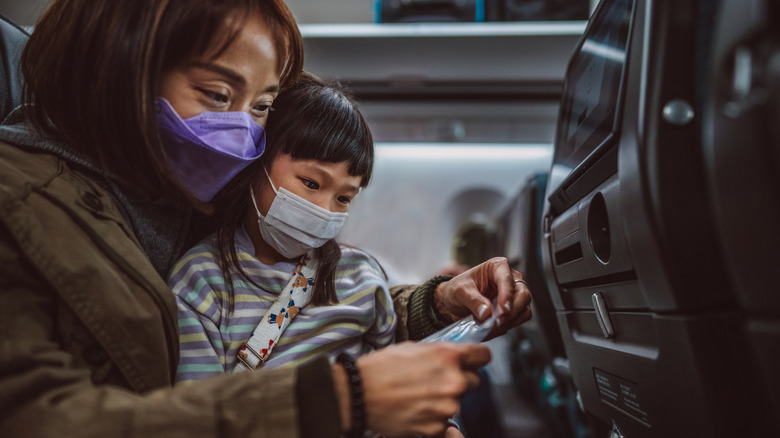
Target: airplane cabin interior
625 158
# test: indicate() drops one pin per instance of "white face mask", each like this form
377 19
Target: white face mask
294 225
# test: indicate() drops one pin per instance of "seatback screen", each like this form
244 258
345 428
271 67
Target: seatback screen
593 82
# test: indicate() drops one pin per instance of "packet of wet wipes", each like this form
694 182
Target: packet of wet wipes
464 331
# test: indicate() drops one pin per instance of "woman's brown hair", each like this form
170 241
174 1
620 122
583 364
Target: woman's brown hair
92 71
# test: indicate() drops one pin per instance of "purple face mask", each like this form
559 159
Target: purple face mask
208 150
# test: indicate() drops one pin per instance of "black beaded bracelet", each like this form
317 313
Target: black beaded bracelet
356 396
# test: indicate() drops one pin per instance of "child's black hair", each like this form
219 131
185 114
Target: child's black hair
312 119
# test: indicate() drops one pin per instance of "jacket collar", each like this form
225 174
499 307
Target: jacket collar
162 229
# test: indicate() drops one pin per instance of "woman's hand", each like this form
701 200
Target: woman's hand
413 388
473 291
452 432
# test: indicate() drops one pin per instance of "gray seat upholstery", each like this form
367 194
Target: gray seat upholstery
12 41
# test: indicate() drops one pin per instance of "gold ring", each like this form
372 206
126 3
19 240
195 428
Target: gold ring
522 281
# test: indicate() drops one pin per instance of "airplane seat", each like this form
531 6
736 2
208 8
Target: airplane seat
650 323
741 145
12 41
536 355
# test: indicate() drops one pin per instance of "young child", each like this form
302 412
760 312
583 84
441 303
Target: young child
273 272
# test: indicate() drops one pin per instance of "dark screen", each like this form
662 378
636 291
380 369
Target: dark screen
590 101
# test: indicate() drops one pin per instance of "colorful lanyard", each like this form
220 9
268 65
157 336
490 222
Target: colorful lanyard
296 294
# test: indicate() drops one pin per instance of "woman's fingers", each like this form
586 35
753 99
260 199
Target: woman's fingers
472 356
518 316
415 388
503 279
474 291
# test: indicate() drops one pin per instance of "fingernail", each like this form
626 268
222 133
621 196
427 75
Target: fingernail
481 311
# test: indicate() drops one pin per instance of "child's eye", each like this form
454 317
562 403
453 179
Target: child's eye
310 184
213 95
344 200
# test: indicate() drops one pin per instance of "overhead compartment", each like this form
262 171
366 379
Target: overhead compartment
450 83
506 60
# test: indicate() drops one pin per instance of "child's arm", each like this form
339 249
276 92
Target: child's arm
368 275
382 333
201 347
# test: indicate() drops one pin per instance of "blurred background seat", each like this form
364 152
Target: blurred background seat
12 41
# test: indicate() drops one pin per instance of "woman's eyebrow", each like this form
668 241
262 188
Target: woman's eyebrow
231 75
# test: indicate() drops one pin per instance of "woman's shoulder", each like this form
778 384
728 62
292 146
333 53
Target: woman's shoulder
20 170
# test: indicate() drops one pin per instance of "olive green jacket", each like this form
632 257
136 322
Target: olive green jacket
88 331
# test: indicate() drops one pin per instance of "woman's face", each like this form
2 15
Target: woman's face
328 185
243 77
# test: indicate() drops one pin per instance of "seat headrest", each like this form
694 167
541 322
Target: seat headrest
12 41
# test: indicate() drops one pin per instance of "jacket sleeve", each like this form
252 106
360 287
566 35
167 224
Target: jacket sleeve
417 315
48 391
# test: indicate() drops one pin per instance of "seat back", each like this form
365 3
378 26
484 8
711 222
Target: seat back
12 41
537 358
651 327
741 145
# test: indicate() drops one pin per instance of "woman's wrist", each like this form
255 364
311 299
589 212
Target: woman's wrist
424 316
318 398
352 406
341 384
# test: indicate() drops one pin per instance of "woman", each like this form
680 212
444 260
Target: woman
91 184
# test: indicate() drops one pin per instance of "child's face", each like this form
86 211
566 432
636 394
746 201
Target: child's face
243 77
328 185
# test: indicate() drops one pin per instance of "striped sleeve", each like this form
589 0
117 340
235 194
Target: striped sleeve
371 276
382 333
197 283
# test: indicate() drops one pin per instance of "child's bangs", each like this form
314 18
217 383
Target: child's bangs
337 135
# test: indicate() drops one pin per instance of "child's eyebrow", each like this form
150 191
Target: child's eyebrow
322 173
353 188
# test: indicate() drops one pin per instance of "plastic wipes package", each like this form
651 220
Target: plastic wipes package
465 331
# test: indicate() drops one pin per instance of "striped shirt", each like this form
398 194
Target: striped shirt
214 323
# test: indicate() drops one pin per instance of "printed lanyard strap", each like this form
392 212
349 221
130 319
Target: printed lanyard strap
293 297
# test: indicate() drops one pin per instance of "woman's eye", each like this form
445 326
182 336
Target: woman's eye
214 96
310 184
262 109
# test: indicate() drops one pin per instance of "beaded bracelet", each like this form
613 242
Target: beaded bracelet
356 392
